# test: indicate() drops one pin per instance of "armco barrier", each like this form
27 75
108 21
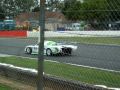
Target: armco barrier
94 33
13 33
75 33
59 33
51 83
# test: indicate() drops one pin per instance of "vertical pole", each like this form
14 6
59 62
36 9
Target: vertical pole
41 46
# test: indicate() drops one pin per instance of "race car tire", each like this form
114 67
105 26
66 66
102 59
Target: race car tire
48 52
28 50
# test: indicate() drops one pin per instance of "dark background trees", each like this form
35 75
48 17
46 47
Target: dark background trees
71 10
14 7
2 16
75 10
99 13
92 9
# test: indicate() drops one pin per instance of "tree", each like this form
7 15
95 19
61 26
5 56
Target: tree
98 10
51 5
113 7
36 9
25 5
2 16
13 7
95 12
71 10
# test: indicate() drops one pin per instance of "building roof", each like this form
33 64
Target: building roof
35 16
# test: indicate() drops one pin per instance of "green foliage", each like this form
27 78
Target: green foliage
13 7
90 10
36 9
53 5
2 16
4 87
70 9
114 7
94 10
24 5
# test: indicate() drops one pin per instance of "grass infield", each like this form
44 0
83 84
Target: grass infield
82 74
4 87
89 40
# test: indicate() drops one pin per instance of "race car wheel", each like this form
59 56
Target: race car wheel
48 52
28 50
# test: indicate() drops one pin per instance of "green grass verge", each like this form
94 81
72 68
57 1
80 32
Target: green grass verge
4 87
91 40
87 75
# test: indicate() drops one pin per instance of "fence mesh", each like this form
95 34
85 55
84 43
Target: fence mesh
94 62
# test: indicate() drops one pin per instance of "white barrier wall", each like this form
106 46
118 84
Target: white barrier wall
74 33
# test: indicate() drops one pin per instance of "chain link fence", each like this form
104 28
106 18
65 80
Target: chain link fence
86 68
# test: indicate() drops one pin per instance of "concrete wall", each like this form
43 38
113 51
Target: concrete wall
13 33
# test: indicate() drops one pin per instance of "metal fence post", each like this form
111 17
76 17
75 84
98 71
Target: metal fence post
41 46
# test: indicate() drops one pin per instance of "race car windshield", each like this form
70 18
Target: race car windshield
51 43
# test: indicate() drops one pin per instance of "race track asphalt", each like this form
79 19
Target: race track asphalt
100 56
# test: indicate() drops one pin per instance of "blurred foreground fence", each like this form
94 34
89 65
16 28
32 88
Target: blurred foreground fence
51 83
92 16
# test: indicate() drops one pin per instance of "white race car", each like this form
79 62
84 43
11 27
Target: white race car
51 48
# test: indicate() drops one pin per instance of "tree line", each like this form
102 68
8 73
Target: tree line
14 7
100 10
75 10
